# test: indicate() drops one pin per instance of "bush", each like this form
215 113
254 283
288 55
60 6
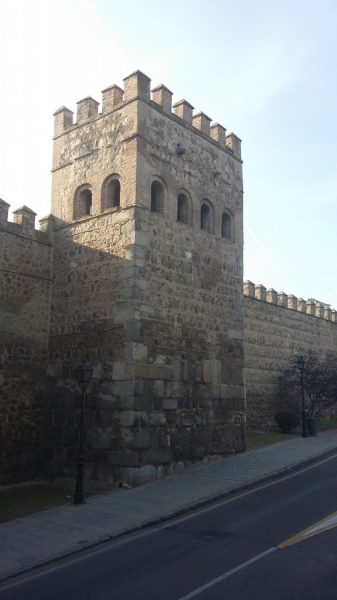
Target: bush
287 420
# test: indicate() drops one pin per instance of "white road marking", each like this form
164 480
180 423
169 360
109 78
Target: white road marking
227 574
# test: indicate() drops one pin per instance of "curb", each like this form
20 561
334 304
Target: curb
200 503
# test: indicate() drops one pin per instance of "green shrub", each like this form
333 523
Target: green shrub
287 420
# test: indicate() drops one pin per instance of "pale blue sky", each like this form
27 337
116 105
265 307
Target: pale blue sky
265 69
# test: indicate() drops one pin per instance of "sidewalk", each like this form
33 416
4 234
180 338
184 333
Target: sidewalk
51 534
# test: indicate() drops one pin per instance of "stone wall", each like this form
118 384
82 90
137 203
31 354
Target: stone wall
91 317
156 304
25 280
277 327
139 270
189 364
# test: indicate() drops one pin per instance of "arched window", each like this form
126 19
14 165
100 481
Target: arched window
157 197
111 193
226 226
182 209
205 217
82 202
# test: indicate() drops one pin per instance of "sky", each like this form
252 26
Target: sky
264 69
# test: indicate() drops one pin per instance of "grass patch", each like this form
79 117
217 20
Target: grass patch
24 499
257 439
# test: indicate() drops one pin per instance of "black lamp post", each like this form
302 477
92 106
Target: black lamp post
83 374
301 367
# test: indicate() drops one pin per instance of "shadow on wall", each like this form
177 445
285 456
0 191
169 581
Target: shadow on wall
152 405
41 342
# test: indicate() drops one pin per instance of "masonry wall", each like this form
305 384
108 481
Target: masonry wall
25 279
189 368
155 304
91 319
89 151
92 304
273 335
189 365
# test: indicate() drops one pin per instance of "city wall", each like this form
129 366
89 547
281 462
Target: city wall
129 273
25 282
277 327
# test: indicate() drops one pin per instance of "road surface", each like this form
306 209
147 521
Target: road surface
278 541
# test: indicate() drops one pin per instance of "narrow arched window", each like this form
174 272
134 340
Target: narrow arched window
82 202
157 197
226 226
111 193
205 217
182 209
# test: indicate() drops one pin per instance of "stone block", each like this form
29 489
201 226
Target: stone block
187 419
170 403
124 458
292 302
125 403
122 388
136 85
181 444
158 456
122 370
249 289
235 334
138 476
141 440
201 436
133 330
143 402
212 371
218 133
163 96
198 452
157 419
152 371
159 387
260 292
271 296
184 110
128 418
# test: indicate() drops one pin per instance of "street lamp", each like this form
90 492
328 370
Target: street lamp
301 366
83 374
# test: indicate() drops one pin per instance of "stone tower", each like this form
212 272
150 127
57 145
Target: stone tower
147 280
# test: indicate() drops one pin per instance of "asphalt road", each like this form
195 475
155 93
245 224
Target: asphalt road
228 551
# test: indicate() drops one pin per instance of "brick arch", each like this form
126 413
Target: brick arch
111 192
184 207
206 215
82 205
158 195
227 226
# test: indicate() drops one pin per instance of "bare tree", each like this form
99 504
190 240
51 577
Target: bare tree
320 383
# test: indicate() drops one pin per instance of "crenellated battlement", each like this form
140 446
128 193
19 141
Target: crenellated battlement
310 307
137 86
23 222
